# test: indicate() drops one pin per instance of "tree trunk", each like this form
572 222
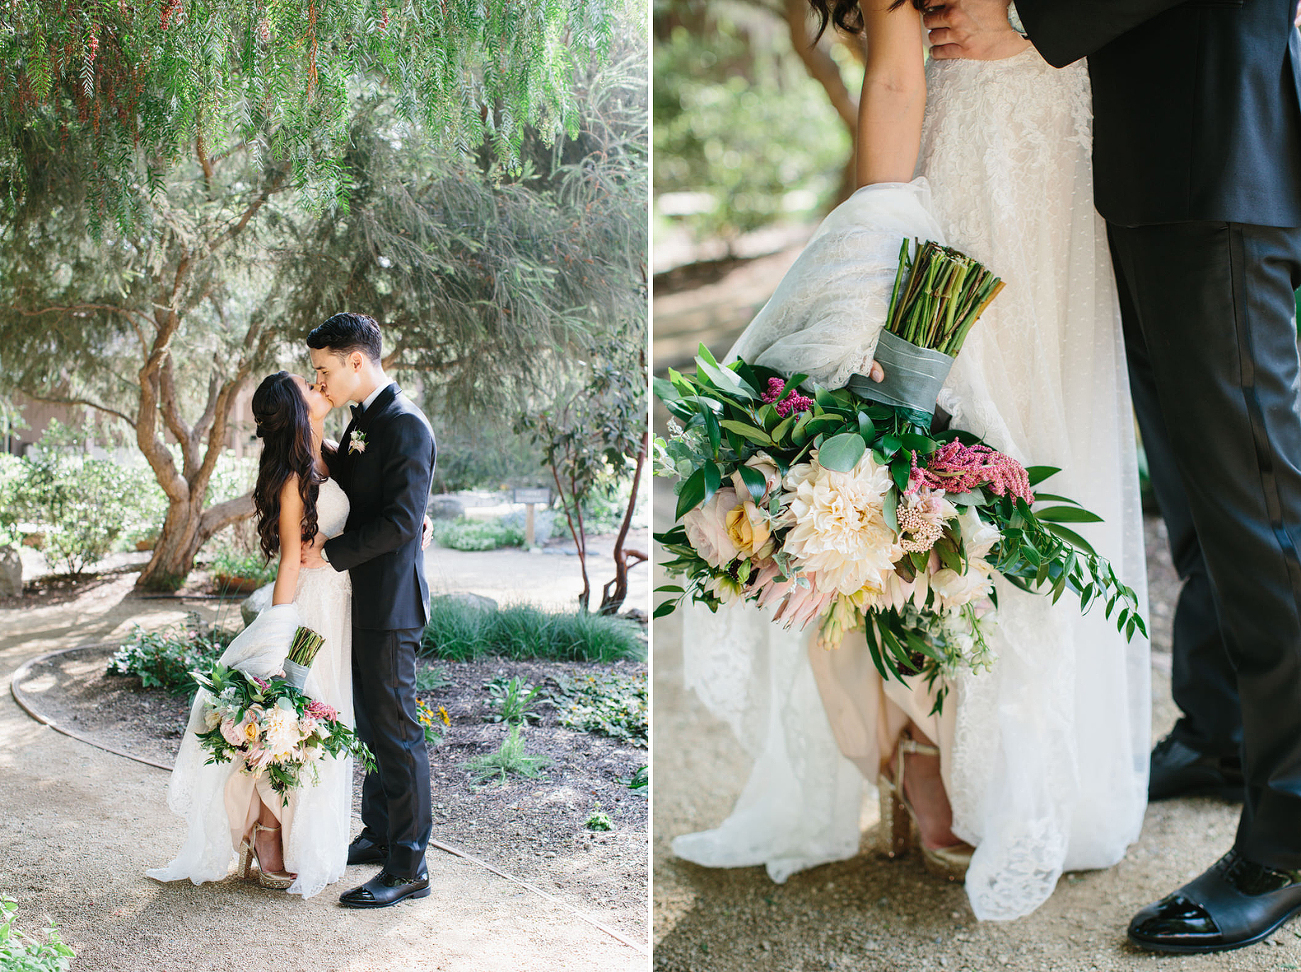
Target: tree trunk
611 601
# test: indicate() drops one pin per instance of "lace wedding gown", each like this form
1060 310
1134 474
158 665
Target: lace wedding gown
1044 758
216 800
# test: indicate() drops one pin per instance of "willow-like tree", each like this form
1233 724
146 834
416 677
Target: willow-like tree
147 156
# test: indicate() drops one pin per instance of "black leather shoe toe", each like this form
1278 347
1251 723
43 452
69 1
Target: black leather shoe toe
386 889
1178 770
364 850
1236 902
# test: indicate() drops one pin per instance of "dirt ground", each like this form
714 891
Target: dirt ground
80 826
869 914
534 829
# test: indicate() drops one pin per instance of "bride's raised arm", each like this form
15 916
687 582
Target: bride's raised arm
894 93
291 543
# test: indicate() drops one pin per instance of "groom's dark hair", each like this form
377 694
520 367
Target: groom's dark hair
345 333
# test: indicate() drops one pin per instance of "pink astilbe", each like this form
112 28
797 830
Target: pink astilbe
794 402
319 710
957 468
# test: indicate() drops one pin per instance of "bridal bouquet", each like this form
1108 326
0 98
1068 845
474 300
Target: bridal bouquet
271 726
841 507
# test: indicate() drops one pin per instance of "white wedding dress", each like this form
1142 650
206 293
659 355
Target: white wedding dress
216 800
1044 758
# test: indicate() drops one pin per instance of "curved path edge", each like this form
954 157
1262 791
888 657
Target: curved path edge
27 705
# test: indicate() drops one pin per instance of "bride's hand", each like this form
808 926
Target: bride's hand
977 30
876 372
426 534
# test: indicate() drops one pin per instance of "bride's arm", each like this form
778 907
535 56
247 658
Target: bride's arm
894 93
291 543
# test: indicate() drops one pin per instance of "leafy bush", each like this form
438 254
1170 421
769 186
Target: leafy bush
512 757
463 534
164 659
612 705
20 952
252 567
460 632
599 820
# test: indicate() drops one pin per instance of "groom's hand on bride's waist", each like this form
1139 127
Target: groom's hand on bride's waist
977 30
311 555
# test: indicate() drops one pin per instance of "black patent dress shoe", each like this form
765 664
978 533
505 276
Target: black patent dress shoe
363 850
386 889
1235 903
1178 770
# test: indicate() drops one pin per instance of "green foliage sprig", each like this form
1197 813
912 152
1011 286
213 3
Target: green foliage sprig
613 705
512 758
166 659
20 952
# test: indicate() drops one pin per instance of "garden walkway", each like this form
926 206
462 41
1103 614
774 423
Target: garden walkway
81 826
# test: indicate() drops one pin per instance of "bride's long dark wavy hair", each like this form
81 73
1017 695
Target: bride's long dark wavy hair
847 15
285 427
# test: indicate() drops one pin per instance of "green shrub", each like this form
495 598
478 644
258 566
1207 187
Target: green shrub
511 758
253 567
612 705
461 632
599 820
463 534
164 659
20 952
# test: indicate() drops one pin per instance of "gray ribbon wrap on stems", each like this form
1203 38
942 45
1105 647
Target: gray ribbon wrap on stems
913 376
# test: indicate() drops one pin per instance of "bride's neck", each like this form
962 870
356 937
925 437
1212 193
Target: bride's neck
318 436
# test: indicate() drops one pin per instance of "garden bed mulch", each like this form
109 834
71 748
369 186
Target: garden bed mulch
534 829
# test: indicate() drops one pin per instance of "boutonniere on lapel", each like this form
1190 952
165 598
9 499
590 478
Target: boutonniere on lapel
356 441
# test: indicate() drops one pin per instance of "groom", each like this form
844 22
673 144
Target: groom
1197 170
385 464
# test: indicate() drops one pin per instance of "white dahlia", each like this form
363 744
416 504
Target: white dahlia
839 533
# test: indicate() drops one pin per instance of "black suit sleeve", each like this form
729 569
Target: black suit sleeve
406 475
1064 31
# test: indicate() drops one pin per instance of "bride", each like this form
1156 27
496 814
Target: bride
300 847
1039 765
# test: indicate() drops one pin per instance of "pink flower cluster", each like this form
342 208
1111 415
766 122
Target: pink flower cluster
794 402
956 468
319 710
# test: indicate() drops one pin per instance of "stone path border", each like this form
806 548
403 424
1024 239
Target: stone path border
27 705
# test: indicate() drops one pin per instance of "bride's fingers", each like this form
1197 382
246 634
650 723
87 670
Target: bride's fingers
876 372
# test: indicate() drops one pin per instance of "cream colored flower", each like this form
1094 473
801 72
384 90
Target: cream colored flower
952 589
978 537
839 533
921 518
706 528
211 719
281 729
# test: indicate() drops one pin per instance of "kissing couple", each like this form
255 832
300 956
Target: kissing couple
346 520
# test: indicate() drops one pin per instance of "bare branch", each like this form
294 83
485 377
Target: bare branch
820 64
231 232
53 400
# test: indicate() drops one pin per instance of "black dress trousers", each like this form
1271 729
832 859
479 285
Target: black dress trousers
1208 312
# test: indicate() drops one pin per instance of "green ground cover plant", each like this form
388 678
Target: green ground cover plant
20 952
611 705
512 701
464 534
512 759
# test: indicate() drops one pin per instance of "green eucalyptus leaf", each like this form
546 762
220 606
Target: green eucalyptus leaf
841 453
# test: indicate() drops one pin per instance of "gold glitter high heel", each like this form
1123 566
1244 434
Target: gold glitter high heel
899 832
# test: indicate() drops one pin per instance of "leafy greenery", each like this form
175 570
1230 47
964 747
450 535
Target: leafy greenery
511 758
147 85
252 567
599 820
640 779
512 701
466 534
459 632
20 952
165 658
743 136
611 705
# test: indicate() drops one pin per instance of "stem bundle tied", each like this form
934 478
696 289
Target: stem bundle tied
305 645
939 293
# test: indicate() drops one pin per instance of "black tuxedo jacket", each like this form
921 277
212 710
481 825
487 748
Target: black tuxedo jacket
388 488
1197 105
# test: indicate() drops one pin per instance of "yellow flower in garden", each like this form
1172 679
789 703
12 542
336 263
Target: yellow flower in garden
447 720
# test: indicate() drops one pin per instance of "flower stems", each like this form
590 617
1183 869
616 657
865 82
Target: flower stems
939 293
305 645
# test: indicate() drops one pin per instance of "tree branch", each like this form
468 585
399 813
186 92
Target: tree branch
224 514
233 231
820 64
50 400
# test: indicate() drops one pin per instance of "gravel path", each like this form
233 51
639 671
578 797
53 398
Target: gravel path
869 914
81 826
